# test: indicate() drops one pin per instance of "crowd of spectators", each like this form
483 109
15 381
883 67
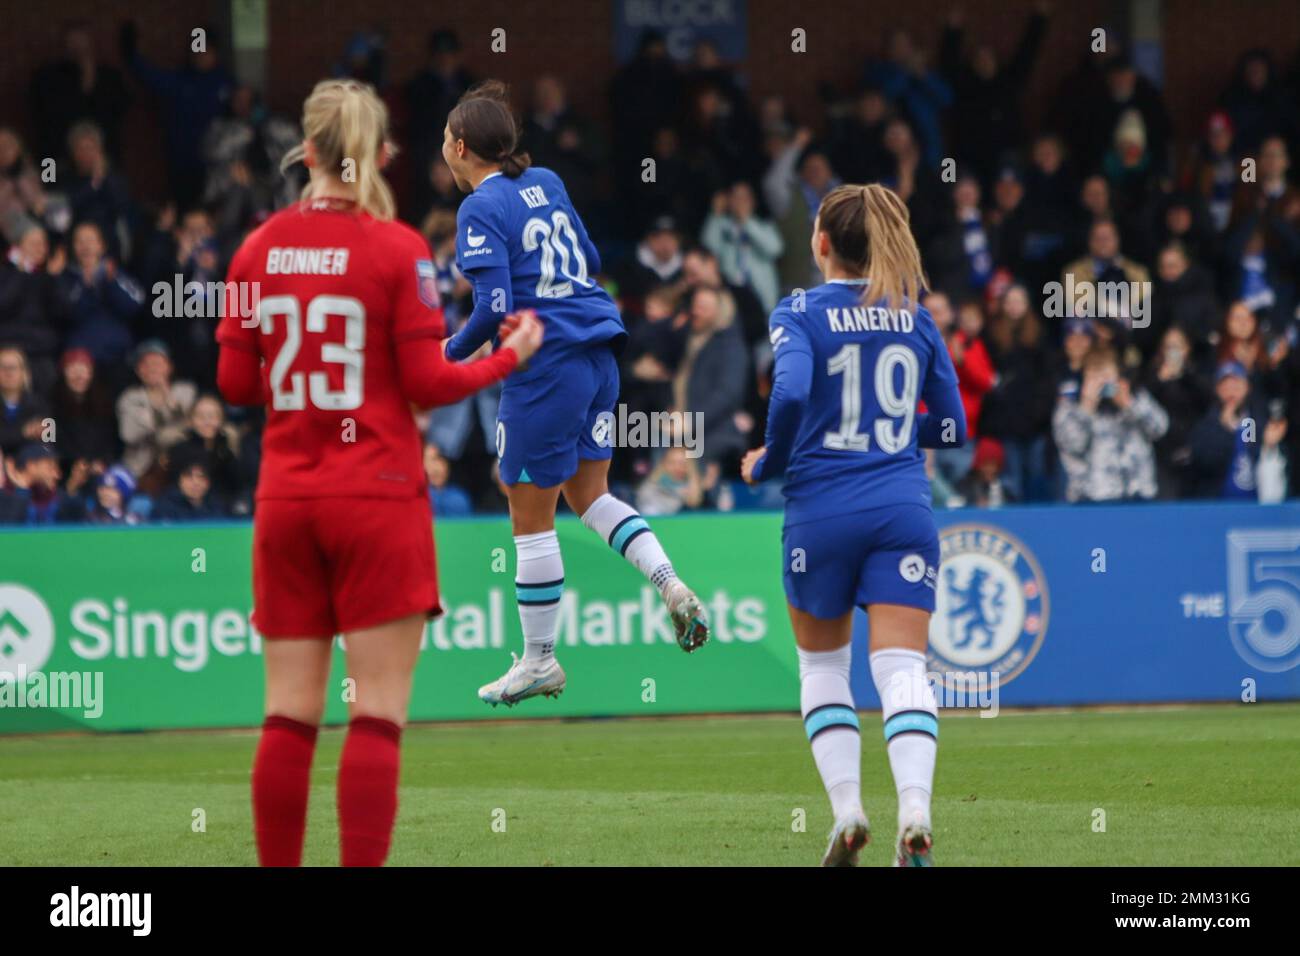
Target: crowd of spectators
1181 389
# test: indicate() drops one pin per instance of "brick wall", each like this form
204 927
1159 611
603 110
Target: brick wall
573 39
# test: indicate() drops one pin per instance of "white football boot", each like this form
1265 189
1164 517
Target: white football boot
850 834
914 843
690 620
525 679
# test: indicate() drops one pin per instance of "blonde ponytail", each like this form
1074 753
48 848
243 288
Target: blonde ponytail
347 123
870 232
894 271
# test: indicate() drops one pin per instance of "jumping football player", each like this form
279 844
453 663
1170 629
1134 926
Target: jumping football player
522 245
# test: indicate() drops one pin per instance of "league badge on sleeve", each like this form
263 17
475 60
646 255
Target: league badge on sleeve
426 283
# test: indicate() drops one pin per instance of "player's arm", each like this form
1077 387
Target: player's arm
481 252
239 361
427 378
943 423
791 385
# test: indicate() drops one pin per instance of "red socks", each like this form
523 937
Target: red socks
281 780
367 793
368 790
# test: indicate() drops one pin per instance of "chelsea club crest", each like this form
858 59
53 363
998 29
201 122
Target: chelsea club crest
990 605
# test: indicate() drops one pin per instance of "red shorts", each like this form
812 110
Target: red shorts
324 566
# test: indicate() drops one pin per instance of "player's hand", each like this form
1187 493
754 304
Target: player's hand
526 337
749 461
509 324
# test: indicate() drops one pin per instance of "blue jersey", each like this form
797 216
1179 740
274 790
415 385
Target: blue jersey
521 243
843 424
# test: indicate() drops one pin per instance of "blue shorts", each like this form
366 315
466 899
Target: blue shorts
552 417
883 556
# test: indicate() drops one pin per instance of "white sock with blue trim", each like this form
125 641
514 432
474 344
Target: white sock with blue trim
626 532
539 585
831 723
911 716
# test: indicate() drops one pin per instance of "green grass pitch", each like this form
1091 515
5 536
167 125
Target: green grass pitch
1212 785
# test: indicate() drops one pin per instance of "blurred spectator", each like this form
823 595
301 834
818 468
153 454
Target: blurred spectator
983 487
1227 442
976 375
1049 221
1130 91
22 413
83 412
1129 165
949 464
645 97
365 59
1214 172
904 75
1105 263
210 440
153 416
242 150
32 312
702 267
446 499
1243 341
857 138
794 185
1183 218
1109 434
77 88
1182 295
97 193
672 486
430 96
668 193
112 501
713 376
561 139
747 247
103 301
191 97
724 146
1257 101
654 350
1173 382
989 119
191 497
36 498
23 199
187 254
1008 221
658 260
1018 410
1262 246
960 259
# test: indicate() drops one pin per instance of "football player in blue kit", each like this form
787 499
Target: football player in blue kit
523 246
853 357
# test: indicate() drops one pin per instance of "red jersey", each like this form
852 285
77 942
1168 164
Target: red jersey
346 333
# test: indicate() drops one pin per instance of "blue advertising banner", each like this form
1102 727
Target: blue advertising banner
682 23
1099 604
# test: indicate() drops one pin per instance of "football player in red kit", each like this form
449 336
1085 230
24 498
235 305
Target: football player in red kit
344 338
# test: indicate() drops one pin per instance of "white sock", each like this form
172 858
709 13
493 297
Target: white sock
626 532
911 717
832 725
539 584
